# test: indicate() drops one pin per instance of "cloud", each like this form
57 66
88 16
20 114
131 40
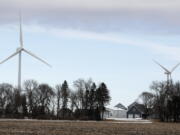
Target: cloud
138 16
93 4
172 52
96 19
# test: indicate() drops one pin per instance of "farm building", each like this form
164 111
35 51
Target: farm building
136 110
118 111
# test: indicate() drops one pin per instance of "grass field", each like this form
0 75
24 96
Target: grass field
22 127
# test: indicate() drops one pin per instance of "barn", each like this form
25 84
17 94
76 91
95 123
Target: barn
136 110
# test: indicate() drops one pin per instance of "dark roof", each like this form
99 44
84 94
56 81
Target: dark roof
133 104
139 107
120 106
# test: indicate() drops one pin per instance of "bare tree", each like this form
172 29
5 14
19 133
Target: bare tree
58 98
31 87
147 100
6 93
45 94
80 88
74 100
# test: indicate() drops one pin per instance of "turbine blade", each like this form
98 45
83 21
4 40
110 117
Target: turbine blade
162 66
20 30
175 67
9 57
33 55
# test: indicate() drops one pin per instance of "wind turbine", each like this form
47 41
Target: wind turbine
19 51
167 72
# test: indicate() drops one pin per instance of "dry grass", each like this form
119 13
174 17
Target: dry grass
86 128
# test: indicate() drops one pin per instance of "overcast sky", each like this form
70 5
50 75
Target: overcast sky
108 40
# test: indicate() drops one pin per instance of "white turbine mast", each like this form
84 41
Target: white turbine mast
19 52
167 72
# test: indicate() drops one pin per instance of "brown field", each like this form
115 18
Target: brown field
25 127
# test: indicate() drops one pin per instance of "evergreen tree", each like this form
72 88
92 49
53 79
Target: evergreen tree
58 98
92 101
65 96
103 98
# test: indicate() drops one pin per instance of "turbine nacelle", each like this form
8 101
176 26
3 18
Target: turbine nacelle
167 73
19 49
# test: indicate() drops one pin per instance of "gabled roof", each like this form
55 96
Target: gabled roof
120 106
139 107
133 104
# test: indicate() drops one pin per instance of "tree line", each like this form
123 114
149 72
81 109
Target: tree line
163 101
86 101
